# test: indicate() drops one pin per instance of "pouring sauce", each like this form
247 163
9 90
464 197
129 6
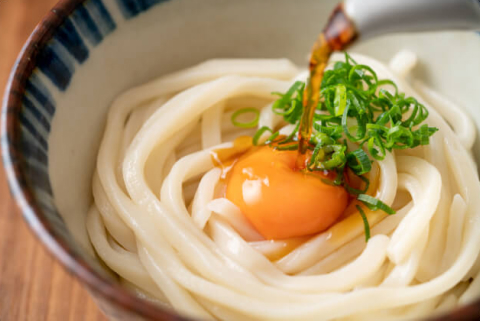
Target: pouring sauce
273 188
337 35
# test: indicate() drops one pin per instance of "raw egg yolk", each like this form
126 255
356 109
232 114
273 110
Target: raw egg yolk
281 201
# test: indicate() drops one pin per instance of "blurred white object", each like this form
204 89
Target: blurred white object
374 17
403 62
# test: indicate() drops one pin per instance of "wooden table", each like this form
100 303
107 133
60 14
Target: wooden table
33 286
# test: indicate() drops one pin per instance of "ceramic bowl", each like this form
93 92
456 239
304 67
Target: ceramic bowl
84 53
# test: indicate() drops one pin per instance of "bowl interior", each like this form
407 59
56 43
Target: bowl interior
85 66
177 34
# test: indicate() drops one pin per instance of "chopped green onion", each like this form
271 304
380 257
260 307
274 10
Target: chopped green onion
337 159
354 105
248 124
340 100
260 132
288 106
375 204
359 162
355 191
367 229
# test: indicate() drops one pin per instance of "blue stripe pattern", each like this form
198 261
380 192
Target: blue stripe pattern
69 48
87 26
41 180
101 16
90 21
30 150
36 114
131 8
68 36
59 69
32 129
36 90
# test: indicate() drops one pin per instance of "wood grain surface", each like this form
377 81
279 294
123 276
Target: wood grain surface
33 285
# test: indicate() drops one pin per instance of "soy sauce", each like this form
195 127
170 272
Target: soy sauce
225 158
337 35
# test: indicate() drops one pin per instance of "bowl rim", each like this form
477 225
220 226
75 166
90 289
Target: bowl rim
13 163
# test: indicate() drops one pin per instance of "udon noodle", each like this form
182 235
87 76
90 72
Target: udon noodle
157 219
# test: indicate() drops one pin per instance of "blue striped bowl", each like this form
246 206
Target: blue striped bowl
84 53
38 89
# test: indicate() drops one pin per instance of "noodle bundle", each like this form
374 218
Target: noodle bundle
159 221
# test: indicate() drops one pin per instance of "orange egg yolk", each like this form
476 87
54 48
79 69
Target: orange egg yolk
281 201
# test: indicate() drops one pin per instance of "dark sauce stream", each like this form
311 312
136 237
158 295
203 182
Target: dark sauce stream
337 35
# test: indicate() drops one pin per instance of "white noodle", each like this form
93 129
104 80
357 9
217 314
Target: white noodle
155 222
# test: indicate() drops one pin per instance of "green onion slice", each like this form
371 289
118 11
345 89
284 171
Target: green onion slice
374 204
249 124
359 162
367 229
